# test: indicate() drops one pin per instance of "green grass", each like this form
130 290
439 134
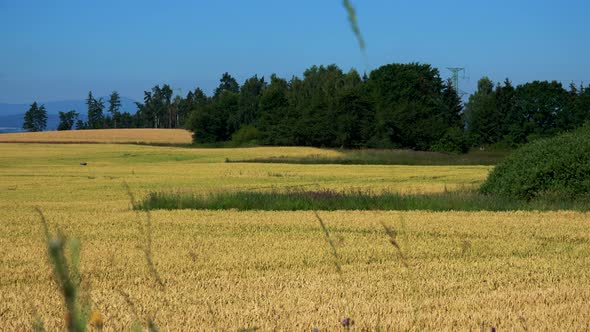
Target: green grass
330 200
214 145
389 157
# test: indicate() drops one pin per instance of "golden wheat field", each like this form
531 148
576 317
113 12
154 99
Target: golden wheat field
231 270
140 135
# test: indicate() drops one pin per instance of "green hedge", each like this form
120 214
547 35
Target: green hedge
558 167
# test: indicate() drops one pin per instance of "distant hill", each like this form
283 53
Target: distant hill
11 115
14 122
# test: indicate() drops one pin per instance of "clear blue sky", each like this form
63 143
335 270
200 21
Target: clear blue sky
56 50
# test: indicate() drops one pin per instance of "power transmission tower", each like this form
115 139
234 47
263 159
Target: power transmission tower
179 91
455 79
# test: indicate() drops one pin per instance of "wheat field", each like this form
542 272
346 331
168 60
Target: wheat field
140 135
231 270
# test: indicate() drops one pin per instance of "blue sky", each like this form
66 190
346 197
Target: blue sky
57 50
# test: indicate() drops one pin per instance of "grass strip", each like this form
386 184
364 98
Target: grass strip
387 157
330 200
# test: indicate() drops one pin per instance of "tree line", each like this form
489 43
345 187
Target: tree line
396 106
508 115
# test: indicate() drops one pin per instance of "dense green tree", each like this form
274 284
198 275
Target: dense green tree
28 120
354 118
518 115
114 107
182 107
505 101
156 106
315 101
453 138
143 116
452 106
417 127
35 118
227 83
167 92
583 106
197 103
81 125
538 105
248 102
95 112
176 108
204 125
41 118
275 124
67 120
576 110
483 120
197 98
217 119
126 120
209 121
156 110
409 109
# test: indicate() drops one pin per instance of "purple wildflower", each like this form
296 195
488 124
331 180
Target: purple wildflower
346 322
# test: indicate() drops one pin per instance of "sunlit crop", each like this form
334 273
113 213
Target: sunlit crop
172 136
226 270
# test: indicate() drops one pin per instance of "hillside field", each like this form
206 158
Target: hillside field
268 270
140 135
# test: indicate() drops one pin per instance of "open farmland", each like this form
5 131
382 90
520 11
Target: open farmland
140 135
226 270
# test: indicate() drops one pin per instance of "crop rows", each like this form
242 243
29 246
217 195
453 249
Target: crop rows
226 270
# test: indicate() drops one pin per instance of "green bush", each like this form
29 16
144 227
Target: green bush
453 141
557 167
246 134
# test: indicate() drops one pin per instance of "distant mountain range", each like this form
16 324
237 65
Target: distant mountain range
13 123
11 115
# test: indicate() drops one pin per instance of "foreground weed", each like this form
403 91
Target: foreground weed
66 275
346 321
137 326
392 234
146 231
330 243
392 239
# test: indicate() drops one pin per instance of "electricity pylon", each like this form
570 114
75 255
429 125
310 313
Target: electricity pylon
455 79
179 91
